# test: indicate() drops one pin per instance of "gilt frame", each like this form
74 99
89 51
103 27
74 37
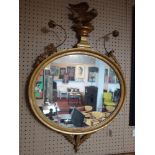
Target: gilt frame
75 131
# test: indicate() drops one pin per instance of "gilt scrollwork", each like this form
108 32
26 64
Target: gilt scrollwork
48 50
77 140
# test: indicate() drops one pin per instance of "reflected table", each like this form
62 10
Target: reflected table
74 98
65 120
62 118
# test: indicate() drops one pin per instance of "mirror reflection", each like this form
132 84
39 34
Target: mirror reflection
77 91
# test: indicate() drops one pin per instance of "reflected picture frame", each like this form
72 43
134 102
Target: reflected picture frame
92 74
71 73
80 72
39 87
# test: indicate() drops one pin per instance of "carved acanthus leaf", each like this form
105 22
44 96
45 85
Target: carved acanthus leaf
48 50
77 140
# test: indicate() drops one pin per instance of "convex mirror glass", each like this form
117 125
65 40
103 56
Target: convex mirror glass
77 91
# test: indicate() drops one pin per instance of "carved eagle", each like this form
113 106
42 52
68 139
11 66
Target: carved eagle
80 14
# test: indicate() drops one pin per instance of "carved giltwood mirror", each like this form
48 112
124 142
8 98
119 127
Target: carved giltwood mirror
77 91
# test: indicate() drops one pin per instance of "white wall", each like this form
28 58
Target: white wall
100 84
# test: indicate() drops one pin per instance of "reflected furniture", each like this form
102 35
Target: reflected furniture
74 119
94 117
54 91
85 108
74 96
108 101
116 95
91 96
79 118
63 93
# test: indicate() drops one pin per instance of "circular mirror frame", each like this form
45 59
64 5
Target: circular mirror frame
75 131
